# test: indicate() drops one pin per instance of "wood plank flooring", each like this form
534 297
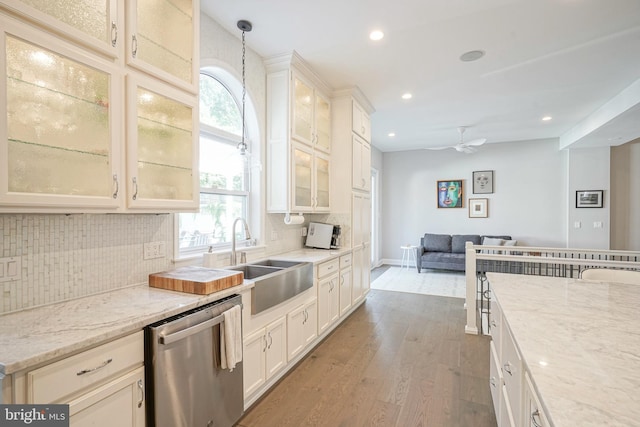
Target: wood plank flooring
399 360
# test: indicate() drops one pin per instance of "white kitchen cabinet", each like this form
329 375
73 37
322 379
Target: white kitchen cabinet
505 418
162 146
118 403
301 328
496 380
346 283
328 294
310 180
512 372
361 171
298 137
102 386
162 40
62 116
264 355
361 122
311 111
97 25
60 124
533 413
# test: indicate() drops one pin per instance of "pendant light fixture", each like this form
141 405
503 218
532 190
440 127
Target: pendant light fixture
245 27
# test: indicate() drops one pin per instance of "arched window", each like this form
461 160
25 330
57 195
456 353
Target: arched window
224 177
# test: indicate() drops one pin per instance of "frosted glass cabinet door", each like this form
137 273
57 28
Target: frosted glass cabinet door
161 39
302 178
322 183
94 23
162 146
58 124
323 123
302 111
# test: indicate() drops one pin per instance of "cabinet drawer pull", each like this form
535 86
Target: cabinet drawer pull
114 33
536 422
86 371
135 188
115 181
134 46
507 368
270 340
141 388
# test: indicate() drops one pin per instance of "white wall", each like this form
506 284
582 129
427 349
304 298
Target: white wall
588 169
528 203
625 196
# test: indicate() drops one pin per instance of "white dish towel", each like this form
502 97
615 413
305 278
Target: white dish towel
231 338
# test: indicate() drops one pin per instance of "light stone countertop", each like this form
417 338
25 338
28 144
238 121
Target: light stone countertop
42 334
580 342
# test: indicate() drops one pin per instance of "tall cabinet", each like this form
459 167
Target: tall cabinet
298 137
351 163
98 107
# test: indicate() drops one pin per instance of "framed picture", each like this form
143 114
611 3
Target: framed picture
482 182
450 193
589 198
478 208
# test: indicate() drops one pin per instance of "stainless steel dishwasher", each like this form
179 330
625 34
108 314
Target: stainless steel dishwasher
186 385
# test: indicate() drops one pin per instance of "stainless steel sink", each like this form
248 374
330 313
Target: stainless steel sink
276 281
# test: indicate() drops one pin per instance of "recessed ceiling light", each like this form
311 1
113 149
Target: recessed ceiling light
376 35
472 55
392 134
407 96
546 118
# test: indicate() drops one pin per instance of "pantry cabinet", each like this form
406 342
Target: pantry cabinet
361 167
74 139
361 122
298 137
265 354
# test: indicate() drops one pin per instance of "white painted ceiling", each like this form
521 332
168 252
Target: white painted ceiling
563 58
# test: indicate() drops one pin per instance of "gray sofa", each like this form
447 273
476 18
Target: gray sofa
447 252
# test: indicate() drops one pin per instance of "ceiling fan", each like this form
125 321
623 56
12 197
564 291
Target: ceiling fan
463 147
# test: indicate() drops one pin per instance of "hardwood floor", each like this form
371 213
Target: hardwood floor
399 360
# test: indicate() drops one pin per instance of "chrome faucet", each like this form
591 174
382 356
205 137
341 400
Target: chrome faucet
247 235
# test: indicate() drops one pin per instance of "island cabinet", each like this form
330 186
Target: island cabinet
264 354
74 136
103 386
514 398
298 137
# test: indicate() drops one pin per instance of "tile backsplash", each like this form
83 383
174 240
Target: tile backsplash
69 256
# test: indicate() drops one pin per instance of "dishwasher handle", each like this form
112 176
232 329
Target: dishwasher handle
177 336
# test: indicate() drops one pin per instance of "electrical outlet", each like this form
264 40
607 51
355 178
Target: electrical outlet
154 250
303 231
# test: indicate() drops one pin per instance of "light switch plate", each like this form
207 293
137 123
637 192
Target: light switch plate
10 269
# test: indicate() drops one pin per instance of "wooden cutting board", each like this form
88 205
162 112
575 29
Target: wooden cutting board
196 280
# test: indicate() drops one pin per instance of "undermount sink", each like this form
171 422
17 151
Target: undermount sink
275 281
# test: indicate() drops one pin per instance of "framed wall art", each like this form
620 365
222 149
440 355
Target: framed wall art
450 193
589 198
478 208
482 182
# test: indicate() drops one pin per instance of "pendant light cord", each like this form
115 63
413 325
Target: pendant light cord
243 144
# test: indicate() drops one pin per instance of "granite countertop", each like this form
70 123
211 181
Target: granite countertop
42 334
580 342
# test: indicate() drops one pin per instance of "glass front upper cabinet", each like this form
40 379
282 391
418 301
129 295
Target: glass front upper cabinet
94 23
162 146
58 123
302 111
162 40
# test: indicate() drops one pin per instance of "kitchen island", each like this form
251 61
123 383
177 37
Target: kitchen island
579 343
